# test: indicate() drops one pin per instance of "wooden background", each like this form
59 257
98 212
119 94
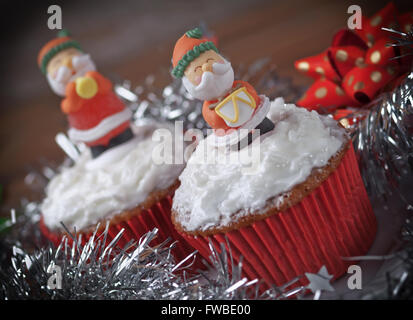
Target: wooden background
132 40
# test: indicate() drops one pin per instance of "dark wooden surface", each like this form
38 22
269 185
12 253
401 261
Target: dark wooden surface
135 40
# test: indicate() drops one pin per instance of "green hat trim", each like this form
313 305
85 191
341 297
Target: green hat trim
63 33
194 33
178 71
55 50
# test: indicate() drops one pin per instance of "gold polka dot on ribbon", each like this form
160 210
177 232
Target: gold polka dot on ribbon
376 76
360 62
350 80
341 55
370 39
319 70
339 91
304 66
375 21
321 92
358 86
375 56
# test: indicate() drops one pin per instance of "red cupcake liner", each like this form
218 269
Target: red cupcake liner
336 220
157 216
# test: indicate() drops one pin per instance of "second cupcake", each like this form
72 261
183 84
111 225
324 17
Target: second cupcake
115 178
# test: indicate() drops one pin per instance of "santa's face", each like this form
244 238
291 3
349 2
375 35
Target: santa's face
209 76
65 67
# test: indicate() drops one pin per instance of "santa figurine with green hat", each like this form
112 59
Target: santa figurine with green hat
97 117
229 104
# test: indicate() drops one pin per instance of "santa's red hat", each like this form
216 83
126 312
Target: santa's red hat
53 47
187 48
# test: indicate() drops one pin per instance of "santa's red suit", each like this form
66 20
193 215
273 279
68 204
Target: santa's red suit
98 119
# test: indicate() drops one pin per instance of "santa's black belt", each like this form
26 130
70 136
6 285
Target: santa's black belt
265 126
115 141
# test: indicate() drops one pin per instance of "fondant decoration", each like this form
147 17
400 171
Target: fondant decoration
228 104
236 108
97 117
359 64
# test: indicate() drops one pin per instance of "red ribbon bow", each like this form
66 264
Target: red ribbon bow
357 66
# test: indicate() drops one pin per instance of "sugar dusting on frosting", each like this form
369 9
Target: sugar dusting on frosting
80 196
211 193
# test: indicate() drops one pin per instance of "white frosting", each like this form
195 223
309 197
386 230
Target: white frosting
214 194
82 195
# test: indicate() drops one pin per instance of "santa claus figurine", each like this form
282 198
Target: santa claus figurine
207 76
97 117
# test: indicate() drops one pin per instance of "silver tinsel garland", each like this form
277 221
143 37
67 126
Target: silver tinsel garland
95 271
383 139
384 145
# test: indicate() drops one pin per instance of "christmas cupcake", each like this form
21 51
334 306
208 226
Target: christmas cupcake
286 195
304 207
131 192
115 179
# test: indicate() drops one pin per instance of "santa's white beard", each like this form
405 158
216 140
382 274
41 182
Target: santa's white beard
81 65
213 85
